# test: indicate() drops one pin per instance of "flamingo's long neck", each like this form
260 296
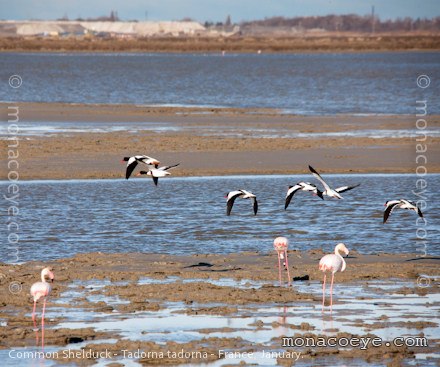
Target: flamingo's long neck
344 264
43 277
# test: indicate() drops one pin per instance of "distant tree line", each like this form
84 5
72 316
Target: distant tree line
113 17
341 23
350 22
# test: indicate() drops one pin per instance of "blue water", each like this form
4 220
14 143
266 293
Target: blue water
58 219
370 83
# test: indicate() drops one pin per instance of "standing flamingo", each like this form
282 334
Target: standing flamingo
332 262
39 290
280 245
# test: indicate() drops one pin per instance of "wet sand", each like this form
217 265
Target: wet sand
213 142
154 284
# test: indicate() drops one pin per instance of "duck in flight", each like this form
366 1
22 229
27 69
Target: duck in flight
155 173
304 186
244 194
332 193
133 161
402 204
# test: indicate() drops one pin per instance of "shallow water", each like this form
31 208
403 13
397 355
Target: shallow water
187 216
357 305
319 83
30 130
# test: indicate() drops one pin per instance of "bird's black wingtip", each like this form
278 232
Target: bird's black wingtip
312 169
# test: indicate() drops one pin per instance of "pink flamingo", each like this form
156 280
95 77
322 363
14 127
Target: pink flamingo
39 290
332 262
280 245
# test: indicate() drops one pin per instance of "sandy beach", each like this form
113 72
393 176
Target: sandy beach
214 141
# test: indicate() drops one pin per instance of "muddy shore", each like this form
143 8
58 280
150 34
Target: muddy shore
212 141
153 283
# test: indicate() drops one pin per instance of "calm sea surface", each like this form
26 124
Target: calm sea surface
382 83
187 215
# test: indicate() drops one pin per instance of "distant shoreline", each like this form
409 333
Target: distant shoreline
324 42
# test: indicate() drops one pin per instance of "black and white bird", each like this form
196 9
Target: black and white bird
155 173
304 186
244 194
402 204
132 162
328 191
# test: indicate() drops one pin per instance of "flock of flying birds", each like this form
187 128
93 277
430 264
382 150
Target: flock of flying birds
156 172
331 262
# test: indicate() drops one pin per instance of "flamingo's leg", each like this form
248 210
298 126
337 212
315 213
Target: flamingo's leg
42 324
323 292
331 292
35 323
287 268
33 315
279 267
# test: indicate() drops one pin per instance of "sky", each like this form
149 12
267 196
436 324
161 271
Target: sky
213 10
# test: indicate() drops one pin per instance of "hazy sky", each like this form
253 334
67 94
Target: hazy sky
214 10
